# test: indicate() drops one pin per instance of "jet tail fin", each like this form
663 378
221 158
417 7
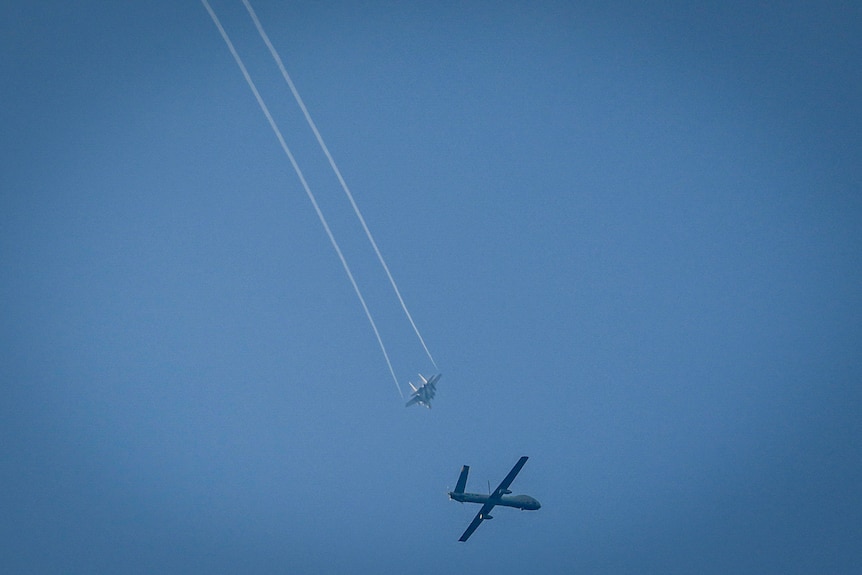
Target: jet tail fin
462 480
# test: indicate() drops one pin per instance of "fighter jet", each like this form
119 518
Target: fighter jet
425 392
500 496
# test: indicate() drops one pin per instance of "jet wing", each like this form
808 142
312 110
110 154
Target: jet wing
413 400
501 490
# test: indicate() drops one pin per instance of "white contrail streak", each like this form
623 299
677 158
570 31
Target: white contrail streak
310 195
335 169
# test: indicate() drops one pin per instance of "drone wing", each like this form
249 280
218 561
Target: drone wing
483 513
503 488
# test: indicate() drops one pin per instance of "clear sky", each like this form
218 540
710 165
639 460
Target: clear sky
630 233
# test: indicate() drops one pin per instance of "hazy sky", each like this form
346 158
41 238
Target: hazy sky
631 235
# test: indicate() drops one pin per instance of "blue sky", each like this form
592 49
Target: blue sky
630 235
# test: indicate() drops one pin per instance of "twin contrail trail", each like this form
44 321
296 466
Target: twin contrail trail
308 192
335 169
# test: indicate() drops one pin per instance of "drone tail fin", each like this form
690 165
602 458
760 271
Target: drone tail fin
462 480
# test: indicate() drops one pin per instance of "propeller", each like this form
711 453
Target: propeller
448 494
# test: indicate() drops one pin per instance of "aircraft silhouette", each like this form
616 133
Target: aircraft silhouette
425 392
500 496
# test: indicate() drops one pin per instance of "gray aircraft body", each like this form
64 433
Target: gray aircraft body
425 392
500 496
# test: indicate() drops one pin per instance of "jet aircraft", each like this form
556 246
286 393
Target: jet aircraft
425 392
500 496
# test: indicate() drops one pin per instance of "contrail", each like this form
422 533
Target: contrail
310 195
335 169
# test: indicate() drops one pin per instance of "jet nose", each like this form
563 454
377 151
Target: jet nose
538 505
